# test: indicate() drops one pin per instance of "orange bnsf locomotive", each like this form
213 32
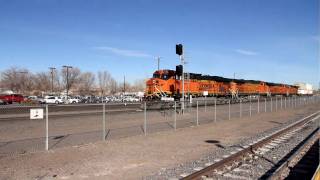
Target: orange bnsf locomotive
168 83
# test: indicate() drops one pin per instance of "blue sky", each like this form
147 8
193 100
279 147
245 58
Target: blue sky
272 40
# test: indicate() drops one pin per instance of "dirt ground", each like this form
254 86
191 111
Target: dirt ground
138 156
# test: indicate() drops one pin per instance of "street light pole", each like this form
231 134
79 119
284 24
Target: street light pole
52 69
67 67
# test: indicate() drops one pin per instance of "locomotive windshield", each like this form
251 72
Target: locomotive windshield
163 74
156 75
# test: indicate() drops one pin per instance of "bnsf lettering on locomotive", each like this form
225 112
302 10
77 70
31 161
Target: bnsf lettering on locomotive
205 86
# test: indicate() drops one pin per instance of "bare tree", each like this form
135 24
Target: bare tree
113 86
43 81
106 82
87 81
17 79
73 76
27 82
139 85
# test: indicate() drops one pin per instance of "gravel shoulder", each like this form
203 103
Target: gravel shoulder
139 156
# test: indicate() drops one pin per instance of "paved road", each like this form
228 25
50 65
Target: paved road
19 112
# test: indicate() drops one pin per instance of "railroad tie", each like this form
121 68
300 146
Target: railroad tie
232 176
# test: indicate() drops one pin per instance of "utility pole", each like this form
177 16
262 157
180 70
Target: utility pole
67 67
234 76
158 58
51 70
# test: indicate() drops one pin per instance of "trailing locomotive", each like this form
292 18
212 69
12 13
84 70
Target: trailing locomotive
168 83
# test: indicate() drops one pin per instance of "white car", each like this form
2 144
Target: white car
53 100
130 99
70 100
37 99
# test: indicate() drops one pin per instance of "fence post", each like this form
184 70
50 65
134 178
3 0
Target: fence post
197 113
285 103
229 109
271 104
258 105
276 104
265 104
281 103
103 121
175 115
215 109
205 103
289 102
250 105
47 128
240 109
145 118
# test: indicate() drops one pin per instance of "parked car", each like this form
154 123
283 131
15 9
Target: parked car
53 100
12 98
37 99
130 99
70 100
3 102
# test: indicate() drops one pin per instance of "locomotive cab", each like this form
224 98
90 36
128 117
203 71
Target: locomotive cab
164 74
159 84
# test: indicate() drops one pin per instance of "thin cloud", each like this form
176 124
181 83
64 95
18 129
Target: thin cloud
246 52
123 52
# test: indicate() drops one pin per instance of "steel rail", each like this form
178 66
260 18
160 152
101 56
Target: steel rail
207 171
290 162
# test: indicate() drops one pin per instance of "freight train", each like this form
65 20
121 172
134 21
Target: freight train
168 83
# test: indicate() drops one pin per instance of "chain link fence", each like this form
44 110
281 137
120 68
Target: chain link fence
73 125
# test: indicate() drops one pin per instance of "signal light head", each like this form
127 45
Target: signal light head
179 49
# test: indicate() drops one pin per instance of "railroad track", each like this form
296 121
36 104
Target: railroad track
303 161
233 166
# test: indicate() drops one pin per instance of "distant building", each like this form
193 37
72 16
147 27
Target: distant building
304 88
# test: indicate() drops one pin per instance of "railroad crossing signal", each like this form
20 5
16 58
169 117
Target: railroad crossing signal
179 49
